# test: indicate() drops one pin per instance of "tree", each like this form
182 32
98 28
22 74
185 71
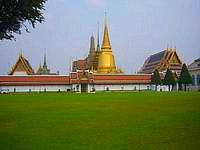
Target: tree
169 79
15 14
185 77
155 78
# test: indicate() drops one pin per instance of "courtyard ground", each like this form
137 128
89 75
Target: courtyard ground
101 121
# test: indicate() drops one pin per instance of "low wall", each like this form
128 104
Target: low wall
42 88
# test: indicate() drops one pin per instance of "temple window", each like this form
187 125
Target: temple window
198 80
193 80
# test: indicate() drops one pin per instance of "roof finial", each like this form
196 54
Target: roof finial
45 61
98 45
106 41
20 53
171 46
105 17
92 43
174 47
167 46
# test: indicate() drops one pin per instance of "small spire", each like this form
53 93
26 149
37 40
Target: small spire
171 47
92 44
105 19
45 61
39 68
167 46
20 53
98 45
175 48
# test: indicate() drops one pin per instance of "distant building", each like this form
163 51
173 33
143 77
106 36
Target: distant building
99 60
79 65
97 72
21 67
194 69
162 61
43 70
80 81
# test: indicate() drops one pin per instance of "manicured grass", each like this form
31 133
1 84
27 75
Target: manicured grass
103 121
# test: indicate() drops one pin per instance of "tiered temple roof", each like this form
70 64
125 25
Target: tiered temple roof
22 67
43 70
79 65
194 65
161 61
100 60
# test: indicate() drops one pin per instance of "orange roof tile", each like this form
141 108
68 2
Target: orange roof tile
122 79
34 80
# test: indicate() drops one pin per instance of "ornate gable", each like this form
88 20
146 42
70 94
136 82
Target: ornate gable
175 59
22 67
161 61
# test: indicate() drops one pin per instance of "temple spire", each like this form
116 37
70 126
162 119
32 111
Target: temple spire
92 44
45 61
106 40
98 45
20 53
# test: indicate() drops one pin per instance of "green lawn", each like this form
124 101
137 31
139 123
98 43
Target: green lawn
103 121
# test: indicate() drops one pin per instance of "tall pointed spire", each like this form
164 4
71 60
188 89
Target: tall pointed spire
92 44
98 45
106 40
106 59
45 61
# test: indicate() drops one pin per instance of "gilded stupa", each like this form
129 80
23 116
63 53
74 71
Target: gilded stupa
106 60
100 60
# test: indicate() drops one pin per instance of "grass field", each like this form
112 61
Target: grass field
103 121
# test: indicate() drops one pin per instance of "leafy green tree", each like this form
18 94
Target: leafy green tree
15 14
185 77
155 78
169 79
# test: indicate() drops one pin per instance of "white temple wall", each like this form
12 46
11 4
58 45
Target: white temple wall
159 87
42 88
195 86
77 88
20 73
122 87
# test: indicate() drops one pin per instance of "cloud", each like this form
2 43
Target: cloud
97 3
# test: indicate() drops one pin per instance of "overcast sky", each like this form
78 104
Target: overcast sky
138 28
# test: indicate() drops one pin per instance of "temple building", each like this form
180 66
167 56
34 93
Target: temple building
90 60
43 70
194 69
162 61
79 65
97 72
21 67
99 60
106 60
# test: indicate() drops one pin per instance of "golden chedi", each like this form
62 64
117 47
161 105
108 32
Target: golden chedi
106 60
